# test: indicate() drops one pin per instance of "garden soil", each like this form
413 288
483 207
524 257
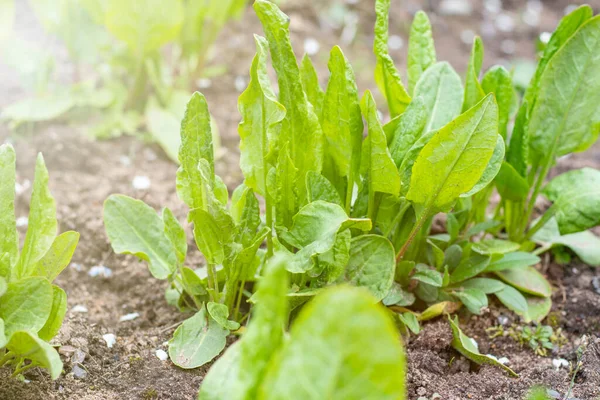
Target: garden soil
83 172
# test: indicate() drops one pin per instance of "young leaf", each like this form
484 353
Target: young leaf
427 275
517 259
26 305
211 234
513 300
474 299
527 280
284 183
220 313
576 197
9 238
410 320
57 314
491 170
498 80
320 188
382 173
25 344
176 234
495 246
42 226
310 84
473 90
261 119
351 366
371 264
442 92
585 244
192 283
470 267
333 262
468 348
135 228
300 128
538 308
486 285
196 341
196 144
58 257
454 159
421 50
517 154
387 77
564 117
510 184
409 128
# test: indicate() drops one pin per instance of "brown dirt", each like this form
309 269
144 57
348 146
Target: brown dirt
83 173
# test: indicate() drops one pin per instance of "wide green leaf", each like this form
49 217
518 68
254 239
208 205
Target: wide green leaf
9 238
42 226
57 314
510 184
472 298
311 86
513 300
25 344
517 259
220 314
175 233
454 159
261 119
320 188
26 305
372 264
58 257
196 341
421 50
564 118
527 280
135 228
585 244
491 170
319 363
408 129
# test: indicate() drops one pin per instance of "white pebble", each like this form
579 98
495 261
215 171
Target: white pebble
100 270
545 37
531 18
505 23
395 42
560 362
311 46
240 83
455 7
535 6
162 355
141 182
110 340
129 317
22 221
493 6
20 188
79 309
204 83
508 46
77 267
125 161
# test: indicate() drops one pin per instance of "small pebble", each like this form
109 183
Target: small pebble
508 46
395 42
78 357
204 83
596 284
141 182
240 83
78 372
505 23
502 319
100 270
560 362
421 391
553 393
493 6
455 7
22 221
77 267
311 46
545 37
21 188
162 355
504 360
129 317
110 340
79 309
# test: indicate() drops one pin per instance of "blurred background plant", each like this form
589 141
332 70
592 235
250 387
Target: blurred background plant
136 63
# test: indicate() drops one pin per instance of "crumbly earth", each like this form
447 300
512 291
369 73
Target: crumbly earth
84 172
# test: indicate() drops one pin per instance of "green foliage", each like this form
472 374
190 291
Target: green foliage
32 309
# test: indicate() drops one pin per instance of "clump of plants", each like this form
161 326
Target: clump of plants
343 209
32 309
540 338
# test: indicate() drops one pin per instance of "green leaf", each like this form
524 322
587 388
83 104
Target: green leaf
454 160
192 283
427 275
442 92
27 345
482 227
410 320
406 168
261 120
498 80
9 237
527 280
144 26
387 77
470 267
196 144
3 338
473 299
320 188
468 348
342 123
284 182
511 185
576 197
310 84
26 305
397 296
516 260
220 313
219 383
495 246
351 366
421 50
473 90
333 262
409 128
58 257
196 341
585 244
211 235
175 233
538 308
486 285
300 128
41 230
135 228
57 314
491 170
3 286
372 264
43 107
383 175
564 118
513 300
518 150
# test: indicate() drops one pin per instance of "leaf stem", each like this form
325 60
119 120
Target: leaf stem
536 191
397 218
238 302
213 281
416 228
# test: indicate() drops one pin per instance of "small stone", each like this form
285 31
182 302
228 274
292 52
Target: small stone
21 188
239 83
455 7
77 267
100 270
553 393
421 391
311 46
560 362
67 350
141 182
22 221
150 155
129 317
110 340
503 319
395 42
493 6
79 308
505 23
162 355
545 37
508 46
504 361
78 357
596 284
204 83
79 372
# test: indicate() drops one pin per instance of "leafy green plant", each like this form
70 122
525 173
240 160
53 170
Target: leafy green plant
317 361
145 58
539 338
31 307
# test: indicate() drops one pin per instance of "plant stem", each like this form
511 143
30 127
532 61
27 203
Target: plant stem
213 281
239 300
22 369
349 191
536 191
541 222
397 218
416 228
7 357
